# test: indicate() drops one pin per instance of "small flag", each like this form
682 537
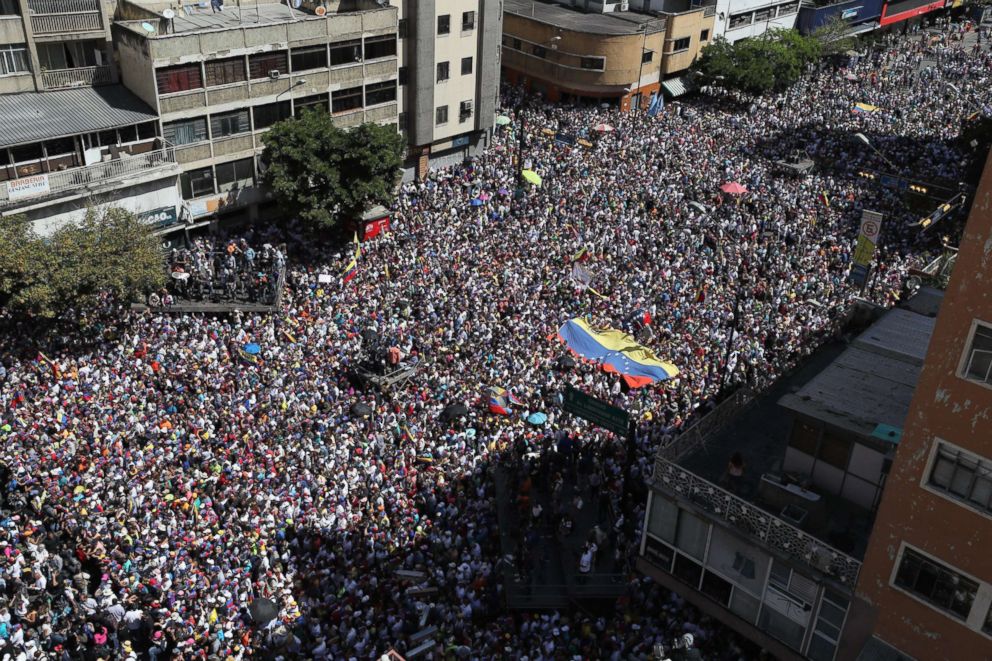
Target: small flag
351 271
825 198
582 255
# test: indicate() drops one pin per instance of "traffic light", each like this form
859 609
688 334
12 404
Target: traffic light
866 175
916 188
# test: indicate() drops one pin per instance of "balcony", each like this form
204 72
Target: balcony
55 79
54 17
79 180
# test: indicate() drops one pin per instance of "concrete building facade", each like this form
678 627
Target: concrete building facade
219 81
449 62
617 57
744 19
927 574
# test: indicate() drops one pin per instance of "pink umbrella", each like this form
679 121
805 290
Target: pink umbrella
733 188
603 128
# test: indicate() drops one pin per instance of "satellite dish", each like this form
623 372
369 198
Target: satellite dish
148 27
168 14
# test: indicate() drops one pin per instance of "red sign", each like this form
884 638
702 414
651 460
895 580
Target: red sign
375 227
909 13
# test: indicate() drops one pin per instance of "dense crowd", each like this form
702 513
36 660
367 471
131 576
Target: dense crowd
158 487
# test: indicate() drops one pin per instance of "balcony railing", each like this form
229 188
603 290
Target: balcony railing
770 530
65 16
79 77
69 181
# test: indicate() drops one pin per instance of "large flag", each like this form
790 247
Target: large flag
617 351
657 104
499 401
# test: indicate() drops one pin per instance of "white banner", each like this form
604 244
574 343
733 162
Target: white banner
18 189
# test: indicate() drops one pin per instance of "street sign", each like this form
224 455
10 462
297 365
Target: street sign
596 411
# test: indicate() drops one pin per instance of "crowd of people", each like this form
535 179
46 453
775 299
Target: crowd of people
158 489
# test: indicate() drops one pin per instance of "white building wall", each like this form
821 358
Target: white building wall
762 16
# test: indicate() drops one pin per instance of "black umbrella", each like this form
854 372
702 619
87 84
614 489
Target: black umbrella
361 409
454 411
263 611
566 363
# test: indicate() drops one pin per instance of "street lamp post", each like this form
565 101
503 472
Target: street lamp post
864 140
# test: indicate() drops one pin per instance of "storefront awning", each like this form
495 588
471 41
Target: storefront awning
676 87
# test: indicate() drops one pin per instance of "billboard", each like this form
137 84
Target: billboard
864 249
893 12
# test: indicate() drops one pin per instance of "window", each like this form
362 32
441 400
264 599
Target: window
197 183
978 358
63 146
464 111
963 476
25 153
185 132
647 56
987 626
315 103
346 99
225 72
442 71
380 47
178 79
516 44
740 20
346 52
805 437
9 8
404 28
270 113
835 450
147 130
441 115
704 35
681 44
261 65
235 175
380 93
444 24
595 63
229 123
305 59
539 51
790 8
466 66
13 59
936 584
401 122
403 75
468 20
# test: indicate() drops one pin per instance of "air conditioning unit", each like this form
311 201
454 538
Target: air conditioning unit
274 74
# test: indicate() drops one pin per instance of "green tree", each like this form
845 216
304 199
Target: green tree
109 251
771 62
834 36
326 175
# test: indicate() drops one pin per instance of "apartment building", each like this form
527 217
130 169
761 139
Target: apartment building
927 572
604 52
744 19
219 80
71 138
776 553
449 77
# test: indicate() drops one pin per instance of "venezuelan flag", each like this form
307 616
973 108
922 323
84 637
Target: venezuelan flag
864 107
499 401
351 271
618 352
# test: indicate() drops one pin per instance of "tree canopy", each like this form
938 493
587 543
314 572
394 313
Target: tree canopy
771 62
109 251
324 174
834 36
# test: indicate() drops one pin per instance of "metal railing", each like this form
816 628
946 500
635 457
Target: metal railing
709 10
69 181
708 426
60 16
767 528
78 77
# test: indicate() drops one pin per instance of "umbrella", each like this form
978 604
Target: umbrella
532 177
697 206
454 411
485 197
361 409
252 349
263 611
503 191
537 419
603 128
733 188
502 120
566 363
476 202
851 76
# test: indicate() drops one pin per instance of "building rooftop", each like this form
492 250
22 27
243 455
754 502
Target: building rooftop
229 19
865 386
35 116
613 23
872 382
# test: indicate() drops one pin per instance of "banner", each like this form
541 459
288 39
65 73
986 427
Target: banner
18 189
864 249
